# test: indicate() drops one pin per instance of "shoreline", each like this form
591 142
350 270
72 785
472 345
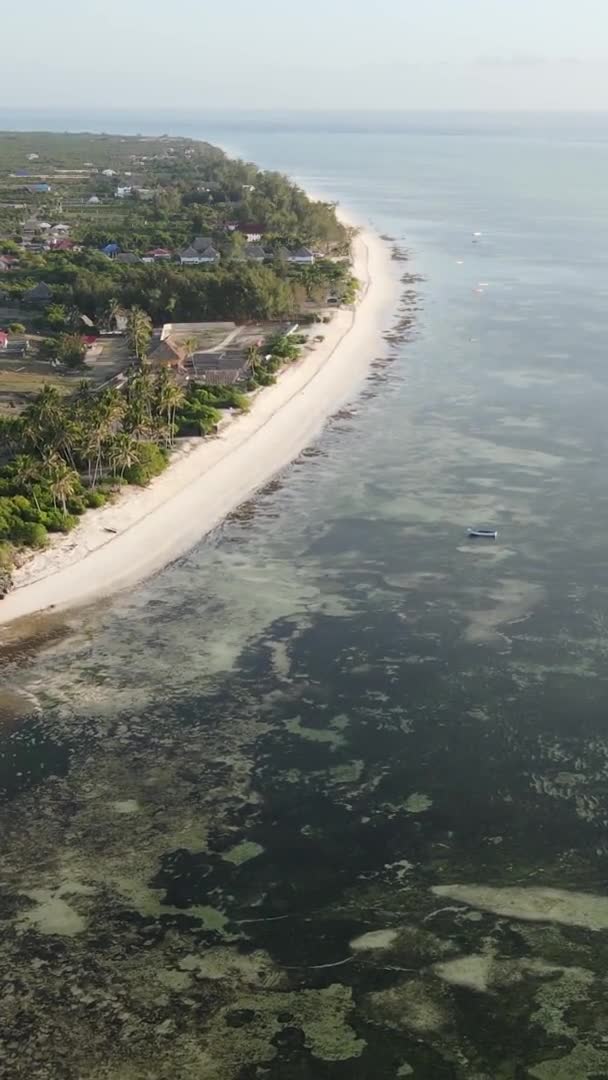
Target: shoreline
207 479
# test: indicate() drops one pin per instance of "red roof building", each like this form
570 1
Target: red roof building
62 245
3 339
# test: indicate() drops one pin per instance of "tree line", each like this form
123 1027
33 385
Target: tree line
65 454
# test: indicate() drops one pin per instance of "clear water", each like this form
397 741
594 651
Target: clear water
288 739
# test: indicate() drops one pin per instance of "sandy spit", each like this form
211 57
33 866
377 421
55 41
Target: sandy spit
209 478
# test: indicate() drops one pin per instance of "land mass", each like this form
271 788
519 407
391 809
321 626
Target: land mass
151 382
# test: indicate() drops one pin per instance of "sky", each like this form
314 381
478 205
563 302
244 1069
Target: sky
334 54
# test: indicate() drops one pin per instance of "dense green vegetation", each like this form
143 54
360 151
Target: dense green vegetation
87 283
67 454
192 189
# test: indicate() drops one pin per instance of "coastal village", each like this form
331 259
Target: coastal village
147 287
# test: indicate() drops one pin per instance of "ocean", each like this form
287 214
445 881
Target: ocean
327 798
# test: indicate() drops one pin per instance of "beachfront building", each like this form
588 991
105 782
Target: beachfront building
220 368
166 353
301 257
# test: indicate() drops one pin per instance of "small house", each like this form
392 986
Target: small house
3 340
209 256
167 353
302 257
201 243
129 258
40 294
189 256
220 368
252 233
255 253
33 157
123 192
61 229
110 250
39 189
57 244
156 255
108 172
4 265
94 200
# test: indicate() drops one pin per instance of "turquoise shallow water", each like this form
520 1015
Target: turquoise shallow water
339 718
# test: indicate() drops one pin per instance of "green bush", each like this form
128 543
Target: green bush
265 378
95 499
54 521
31 533
152 461
76 504
22 505
7 553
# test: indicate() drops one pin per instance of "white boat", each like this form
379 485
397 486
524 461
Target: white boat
483 534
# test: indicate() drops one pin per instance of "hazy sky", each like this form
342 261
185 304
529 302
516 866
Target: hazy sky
462 54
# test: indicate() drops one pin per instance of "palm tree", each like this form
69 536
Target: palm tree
140 400
62 480
26 470
190 346
124 453
174 398
110 312
139 332
42 420
105 415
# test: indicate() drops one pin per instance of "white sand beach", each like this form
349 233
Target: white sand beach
209 478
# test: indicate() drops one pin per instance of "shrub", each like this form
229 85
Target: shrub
76 504
22 505
7 553
95 499
152 461
54 521
16 328
265 378
31 533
